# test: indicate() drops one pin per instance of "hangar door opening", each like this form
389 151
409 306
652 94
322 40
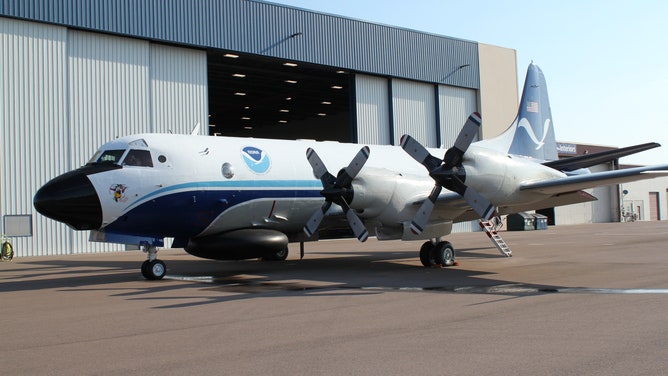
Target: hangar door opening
256 96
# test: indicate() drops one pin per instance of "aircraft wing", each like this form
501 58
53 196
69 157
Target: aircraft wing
561 191
452 205
578 182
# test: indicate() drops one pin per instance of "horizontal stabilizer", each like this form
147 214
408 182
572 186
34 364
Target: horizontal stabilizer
588 160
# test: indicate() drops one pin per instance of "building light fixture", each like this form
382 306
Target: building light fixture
325 102
291 81
231 56
337 87
239 75
240 94
288 64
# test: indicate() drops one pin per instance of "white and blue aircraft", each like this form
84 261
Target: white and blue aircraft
230 198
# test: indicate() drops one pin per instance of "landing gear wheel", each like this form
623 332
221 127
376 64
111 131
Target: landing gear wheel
153 270
444 254
281 255
427 254
144 269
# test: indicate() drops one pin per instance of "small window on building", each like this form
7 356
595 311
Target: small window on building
140 158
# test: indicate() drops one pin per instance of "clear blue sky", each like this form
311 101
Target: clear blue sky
606 62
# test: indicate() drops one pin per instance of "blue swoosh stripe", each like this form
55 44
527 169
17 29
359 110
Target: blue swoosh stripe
250 184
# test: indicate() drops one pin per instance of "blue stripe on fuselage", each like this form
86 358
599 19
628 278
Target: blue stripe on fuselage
185 210
289 185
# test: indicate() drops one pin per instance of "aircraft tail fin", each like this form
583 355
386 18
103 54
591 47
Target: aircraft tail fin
532 132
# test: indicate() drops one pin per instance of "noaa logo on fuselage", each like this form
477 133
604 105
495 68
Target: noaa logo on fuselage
256 159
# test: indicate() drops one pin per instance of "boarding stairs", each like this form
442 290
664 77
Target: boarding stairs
491 230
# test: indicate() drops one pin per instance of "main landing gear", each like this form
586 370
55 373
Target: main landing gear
437 253
153 269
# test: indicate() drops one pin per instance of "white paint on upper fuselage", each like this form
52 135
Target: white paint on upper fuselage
196 163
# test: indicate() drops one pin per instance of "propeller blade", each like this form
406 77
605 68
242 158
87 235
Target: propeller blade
355 222
348 174
479 203
312 225
421 218
319 169
468 132
454 155
419 152
337 190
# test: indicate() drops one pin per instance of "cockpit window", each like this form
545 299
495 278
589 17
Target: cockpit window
107 156
137 157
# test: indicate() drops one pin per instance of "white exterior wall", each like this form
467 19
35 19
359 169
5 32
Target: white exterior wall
373 110
34 135
603 210
455 105
66 92
414 111
638 196
108 90
179 94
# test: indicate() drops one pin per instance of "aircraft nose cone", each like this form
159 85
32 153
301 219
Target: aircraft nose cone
71 199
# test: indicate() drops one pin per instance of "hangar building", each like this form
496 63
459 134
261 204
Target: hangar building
78 73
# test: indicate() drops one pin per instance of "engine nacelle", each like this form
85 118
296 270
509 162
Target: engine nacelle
239 244
382 194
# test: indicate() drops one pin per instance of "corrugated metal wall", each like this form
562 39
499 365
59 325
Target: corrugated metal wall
34 124
455 106
179 93
414 111
66 92
373 110
265 29
108 88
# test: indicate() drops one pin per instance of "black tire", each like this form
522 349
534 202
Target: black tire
281 255
427 255
144 269
444 254
153 270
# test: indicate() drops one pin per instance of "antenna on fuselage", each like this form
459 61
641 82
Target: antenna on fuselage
195 131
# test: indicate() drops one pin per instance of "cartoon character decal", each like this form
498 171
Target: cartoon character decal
117 191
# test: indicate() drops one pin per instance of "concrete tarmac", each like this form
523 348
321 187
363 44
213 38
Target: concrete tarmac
573 300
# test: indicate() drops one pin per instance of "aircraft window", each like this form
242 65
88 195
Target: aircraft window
108 156
162 159
138 143
138 158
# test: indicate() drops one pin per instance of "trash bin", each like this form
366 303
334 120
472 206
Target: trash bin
521 222
540 221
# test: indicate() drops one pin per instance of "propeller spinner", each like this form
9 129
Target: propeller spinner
338 191
448 173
